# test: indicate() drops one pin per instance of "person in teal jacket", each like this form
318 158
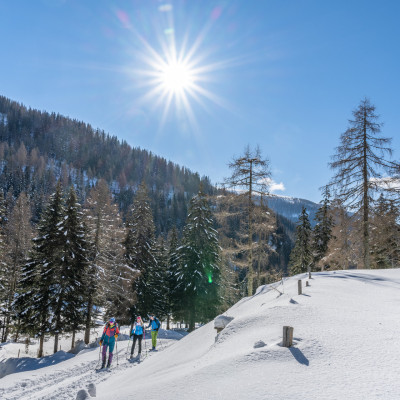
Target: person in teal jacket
110 335
155 326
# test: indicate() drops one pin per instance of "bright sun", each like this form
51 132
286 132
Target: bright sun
176 77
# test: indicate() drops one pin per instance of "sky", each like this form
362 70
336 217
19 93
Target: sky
197 81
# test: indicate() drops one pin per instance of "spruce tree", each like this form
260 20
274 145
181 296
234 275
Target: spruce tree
160 280
171 278
140 254
322 233
70 295
198 273
38 286
301 255
385 235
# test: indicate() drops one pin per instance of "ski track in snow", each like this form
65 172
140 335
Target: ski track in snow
63 384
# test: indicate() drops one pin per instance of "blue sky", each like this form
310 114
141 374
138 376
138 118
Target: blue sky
283 74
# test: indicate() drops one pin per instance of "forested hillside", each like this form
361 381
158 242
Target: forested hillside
38 148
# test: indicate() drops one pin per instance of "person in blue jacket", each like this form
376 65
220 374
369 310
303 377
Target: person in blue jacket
137 333
155 326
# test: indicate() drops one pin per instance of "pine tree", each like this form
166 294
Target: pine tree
198 273
140 254
359 161
301 255
322 233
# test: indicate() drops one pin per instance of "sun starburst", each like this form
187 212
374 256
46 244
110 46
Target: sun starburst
175 77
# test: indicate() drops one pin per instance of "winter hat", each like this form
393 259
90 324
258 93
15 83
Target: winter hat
112 320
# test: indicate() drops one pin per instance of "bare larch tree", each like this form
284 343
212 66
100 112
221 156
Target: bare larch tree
359 163
250 176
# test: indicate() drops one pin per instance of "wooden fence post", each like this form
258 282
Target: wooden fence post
299 289
287 340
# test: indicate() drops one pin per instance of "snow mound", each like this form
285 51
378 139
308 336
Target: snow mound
164 334
79 345
13 365
222 321
259 344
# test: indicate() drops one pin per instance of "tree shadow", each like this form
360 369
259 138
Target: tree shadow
299 356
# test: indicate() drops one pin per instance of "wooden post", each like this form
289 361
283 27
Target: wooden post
18 352
299 289
307 284
287 340
309 274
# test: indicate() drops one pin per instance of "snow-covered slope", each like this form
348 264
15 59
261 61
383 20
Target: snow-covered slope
346 328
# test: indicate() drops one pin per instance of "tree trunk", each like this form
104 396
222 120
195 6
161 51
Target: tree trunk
192 318
55 343
17 330
168 321
7 328
88 319
366 260
73 339
191 322
3 330
41 340
250 273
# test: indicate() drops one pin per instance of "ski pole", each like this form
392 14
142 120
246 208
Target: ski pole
116 345
98 363
161 345
127 348
145 345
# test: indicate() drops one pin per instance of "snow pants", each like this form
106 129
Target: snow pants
137 338
154 339
110 351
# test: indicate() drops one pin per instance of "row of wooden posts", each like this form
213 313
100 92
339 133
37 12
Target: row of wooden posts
287 339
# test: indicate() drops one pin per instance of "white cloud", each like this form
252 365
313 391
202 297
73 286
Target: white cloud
273 186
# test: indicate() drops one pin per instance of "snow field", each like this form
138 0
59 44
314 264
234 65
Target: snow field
345 332
63 380
346 327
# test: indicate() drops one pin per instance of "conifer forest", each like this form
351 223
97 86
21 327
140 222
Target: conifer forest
90 225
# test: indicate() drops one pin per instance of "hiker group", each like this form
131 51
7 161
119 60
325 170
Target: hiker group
111 333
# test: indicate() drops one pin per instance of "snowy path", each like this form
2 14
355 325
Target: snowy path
63 381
